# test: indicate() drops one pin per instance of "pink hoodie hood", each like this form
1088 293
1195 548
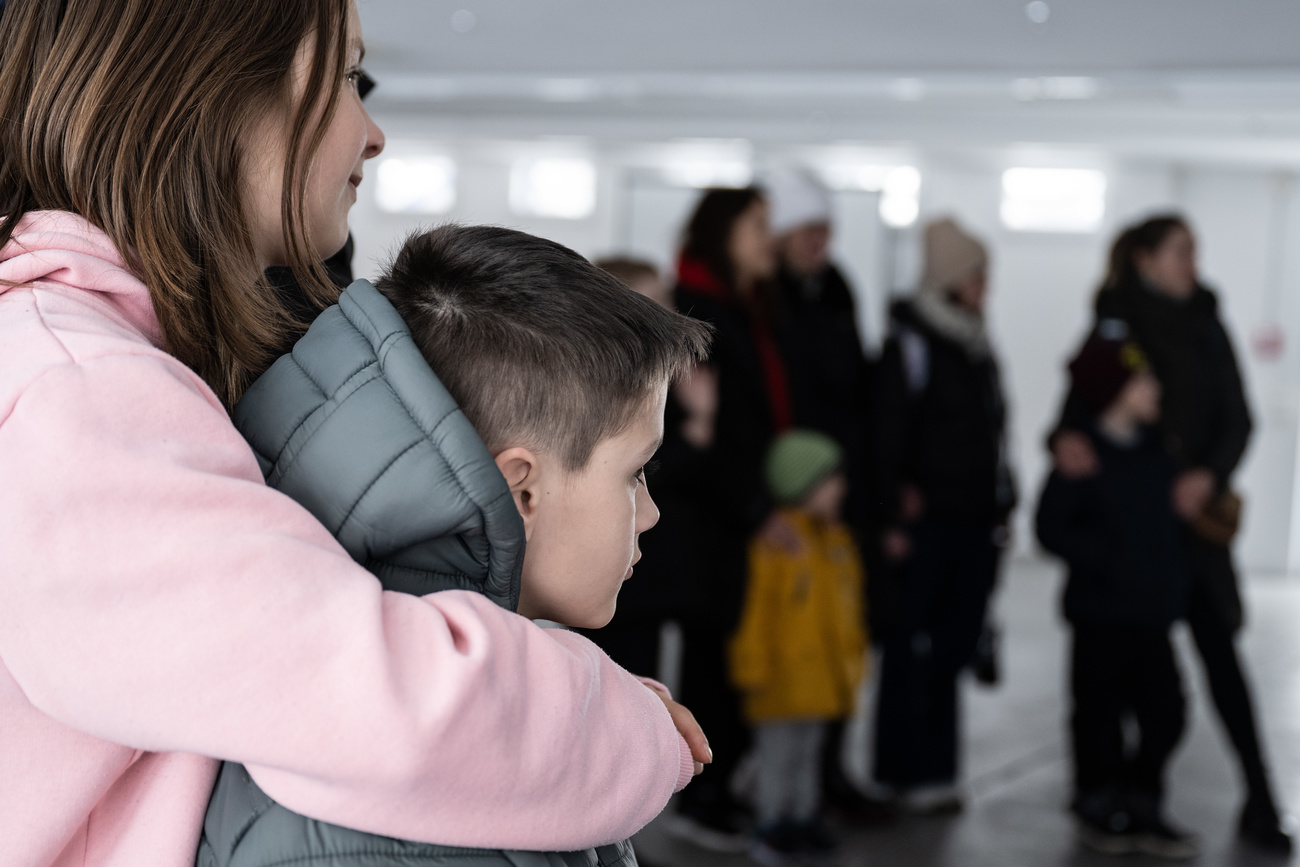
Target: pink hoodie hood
55 249
160 605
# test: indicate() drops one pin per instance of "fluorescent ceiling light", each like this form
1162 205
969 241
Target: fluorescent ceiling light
554 187
416 185
1053 200
899 188
702 173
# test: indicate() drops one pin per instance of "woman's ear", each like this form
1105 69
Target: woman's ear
523 471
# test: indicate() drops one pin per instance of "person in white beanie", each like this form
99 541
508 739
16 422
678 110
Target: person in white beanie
828 376
944 495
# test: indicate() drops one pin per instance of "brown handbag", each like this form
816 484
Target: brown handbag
1220 520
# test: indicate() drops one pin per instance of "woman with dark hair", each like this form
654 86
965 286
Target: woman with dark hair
725 273
1152 285
161 607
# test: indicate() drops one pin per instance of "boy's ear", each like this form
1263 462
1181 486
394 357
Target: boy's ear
523 472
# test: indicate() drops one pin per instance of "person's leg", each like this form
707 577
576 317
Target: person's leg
805 780
1216 645
706 689
903 713
1095 738
775 750
1214 633
1156 697
969 572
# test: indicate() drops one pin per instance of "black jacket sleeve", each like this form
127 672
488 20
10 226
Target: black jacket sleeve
1068 527
1234 421
891 424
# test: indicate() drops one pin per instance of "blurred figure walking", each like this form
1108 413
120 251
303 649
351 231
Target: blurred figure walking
945 493
1152 285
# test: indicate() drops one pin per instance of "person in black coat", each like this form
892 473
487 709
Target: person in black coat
1205 425
829 384
1128 583
944 492
725 278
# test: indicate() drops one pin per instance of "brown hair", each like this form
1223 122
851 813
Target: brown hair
538 346
136 114
1144 237
628 269
708 233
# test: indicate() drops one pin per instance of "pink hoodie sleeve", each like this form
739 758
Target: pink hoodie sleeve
157 594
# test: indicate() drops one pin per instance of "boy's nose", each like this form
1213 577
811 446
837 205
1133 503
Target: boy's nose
647 513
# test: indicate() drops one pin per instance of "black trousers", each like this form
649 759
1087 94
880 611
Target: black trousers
1120 674
942 596
1214 616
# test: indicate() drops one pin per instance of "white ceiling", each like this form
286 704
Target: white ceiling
1170 78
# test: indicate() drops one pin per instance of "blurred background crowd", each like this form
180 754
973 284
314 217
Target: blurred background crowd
913 225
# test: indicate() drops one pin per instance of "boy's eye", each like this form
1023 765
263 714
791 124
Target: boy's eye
646 471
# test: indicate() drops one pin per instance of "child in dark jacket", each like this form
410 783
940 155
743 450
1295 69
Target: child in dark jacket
1128 580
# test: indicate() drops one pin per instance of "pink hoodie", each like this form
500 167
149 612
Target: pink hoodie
159 605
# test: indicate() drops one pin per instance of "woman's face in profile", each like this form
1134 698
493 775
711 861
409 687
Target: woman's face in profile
1171 267
349 140
752 247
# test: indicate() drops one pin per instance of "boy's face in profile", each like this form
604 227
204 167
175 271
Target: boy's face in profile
582 526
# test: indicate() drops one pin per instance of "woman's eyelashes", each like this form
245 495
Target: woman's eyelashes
361 80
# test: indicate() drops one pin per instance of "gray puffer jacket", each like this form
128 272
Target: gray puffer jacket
355 426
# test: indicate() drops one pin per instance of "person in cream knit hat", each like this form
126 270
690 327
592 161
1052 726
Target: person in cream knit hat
945 493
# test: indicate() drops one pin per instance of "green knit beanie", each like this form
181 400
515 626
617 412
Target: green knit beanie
798 461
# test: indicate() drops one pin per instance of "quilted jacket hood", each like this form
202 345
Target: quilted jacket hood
355 426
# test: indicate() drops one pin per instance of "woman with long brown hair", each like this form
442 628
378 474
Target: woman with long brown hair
160 607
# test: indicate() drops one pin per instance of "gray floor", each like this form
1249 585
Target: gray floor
1016 768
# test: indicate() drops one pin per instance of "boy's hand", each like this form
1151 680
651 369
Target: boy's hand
688 728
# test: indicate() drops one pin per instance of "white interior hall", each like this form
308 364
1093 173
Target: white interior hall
618 110
1044 127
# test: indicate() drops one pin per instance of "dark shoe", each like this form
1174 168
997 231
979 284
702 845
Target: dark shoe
1260 826
816 841
779 844
1154 835
1102 827
1162 840
855 808
940 799
715 830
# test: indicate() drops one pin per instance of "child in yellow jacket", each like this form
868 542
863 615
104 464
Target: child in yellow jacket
798 653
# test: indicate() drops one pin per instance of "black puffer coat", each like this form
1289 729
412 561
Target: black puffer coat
939 423
357 428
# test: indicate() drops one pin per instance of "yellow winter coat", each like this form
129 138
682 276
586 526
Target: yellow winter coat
799 651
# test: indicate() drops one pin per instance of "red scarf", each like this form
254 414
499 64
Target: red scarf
696 276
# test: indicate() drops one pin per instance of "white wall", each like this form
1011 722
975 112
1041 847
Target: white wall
1247 222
